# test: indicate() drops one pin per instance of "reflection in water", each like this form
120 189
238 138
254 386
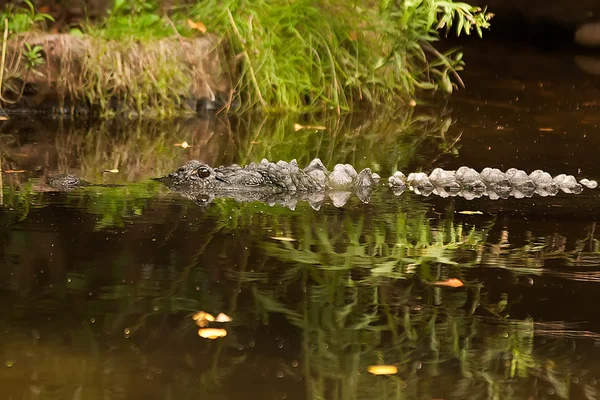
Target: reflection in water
109 292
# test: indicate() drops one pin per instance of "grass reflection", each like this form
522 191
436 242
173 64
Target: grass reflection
353 290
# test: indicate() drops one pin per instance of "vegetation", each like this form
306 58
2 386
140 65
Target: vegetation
297 56
337 54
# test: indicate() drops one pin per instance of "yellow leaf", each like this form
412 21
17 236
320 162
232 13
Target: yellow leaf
112 171
183 144
14 171
212 333
199 26
545 129
201 323
202 315
283 238
3 118
298 127
223 318
382 369
471 212
452 282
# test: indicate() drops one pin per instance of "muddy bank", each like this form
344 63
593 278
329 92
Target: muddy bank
80 75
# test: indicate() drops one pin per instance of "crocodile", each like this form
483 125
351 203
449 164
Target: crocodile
285 183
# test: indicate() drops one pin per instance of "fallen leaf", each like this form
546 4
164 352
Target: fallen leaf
112 171
212 333
382 369
223 318
199 26
452 282
283 238
14 171
545 129
298 127
183 144
3 118
202 323
203 315
470 212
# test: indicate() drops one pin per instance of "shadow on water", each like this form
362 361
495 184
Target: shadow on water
467 299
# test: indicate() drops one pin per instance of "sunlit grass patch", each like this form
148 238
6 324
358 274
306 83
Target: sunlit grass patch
341 55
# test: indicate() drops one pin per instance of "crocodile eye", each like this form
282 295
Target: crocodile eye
203 172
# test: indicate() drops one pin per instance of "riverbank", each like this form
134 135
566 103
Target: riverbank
152 59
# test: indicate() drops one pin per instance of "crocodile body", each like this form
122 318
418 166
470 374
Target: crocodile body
286 184
491 182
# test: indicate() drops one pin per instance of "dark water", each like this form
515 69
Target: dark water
99 286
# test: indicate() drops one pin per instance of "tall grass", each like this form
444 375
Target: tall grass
301 55
309 54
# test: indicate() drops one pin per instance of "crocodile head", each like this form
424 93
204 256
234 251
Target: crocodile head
196 175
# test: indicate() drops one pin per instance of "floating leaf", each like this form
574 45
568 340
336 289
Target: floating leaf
14 171
212 333
183 144
197 25
470 212
382 369
112 171
546 129
202 323
223 318
452 282
203 316
283 238
298 127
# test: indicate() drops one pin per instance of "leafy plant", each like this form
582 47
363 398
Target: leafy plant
23 19
33 56
308 55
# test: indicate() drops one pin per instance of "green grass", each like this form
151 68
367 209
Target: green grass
282 56
338 55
